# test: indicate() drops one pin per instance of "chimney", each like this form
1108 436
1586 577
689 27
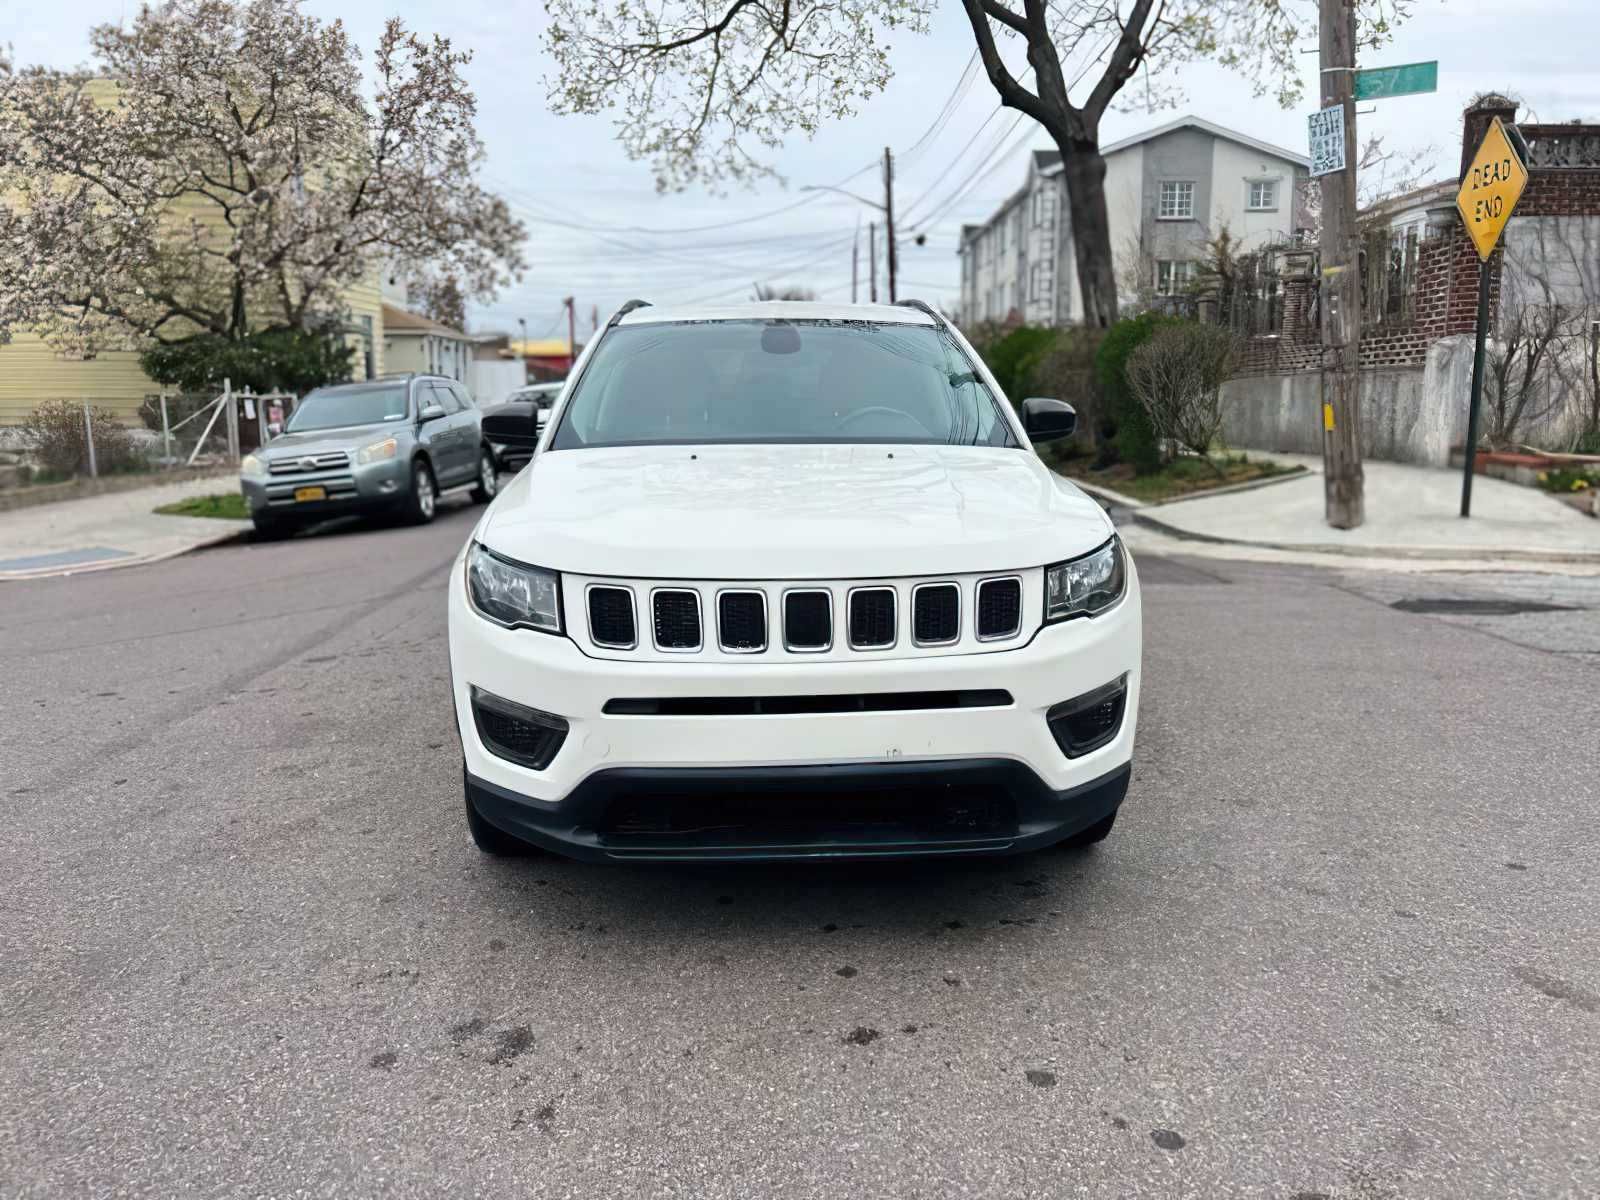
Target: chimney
1477 118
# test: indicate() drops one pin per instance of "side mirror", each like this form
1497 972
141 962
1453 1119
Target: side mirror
429 412
510 428
1048 420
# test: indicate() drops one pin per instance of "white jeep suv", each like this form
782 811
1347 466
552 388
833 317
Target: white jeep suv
786 580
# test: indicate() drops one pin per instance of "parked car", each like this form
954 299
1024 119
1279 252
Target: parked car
788 581
384 446
531 405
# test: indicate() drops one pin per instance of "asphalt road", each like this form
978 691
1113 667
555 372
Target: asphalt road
1345 941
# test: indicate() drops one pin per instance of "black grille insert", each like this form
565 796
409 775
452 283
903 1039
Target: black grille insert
648 817
742 621
511 731
808 620
677 619
871 618
1089 721
999 608
752 706
936 614
611 618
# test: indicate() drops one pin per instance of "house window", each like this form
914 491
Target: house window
1177 200
1263 195
1173 276
1005 223
1043 206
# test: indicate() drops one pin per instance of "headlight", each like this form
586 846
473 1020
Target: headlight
252 467
377 452
511 594
1085 586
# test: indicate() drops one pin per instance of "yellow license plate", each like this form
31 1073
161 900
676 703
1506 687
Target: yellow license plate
310 493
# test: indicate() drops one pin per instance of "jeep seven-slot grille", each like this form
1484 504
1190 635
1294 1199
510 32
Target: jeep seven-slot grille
936 614
807 621
871 618
677 619
999 608
742 621
611 618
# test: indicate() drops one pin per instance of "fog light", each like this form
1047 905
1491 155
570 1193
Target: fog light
1089 721
514 732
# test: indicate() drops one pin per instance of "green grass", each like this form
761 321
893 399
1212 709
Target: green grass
1181 477
229 506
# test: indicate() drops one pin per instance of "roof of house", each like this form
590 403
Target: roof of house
1440 191
1221 131
406 323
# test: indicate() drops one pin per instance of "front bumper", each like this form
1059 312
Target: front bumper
959 758
372 487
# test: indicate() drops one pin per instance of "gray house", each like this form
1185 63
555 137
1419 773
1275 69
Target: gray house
1168 191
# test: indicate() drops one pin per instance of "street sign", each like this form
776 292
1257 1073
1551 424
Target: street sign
1408 79
1326 128
1490 189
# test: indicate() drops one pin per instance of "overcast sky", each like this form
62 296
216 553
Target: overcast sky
571 170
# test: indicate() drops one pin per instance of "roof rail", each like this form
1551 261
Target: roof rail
625 310
923 306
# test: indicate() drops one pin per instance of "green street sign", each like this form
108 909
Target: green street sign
1408 79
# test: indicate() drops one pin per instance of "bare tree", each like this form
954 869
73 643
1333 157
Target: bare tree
697 83
223 172
1177 375
1543 381
765 291
441 299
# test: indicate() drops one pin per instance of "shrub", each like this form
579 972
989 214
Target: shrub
1065 369
1126 424
55 435
1006 356
267 361
1177 374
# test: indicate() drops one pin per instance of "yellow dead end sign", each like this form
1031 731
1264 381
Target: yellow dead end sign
1491 188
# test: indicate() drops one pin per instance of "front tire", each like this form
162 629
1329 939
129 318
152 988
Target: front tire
270 528
491 839
424 498
1098 832
488 477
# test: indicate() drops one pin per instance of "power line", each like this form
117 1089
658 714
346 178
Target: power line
951 165
987 163
963 85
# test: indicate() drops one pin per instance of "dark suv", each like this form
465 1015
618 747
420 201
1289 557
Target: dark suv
387 445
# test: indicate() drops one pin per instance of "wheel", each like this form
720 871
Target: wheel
1095 833
424 497
488 477
270 528
491 839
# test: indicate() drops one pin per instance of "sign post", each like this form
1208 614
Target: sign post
1489 191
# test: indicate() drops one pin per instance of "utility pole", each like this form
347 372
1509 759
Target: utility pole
855 254
888 214
522 323
572 332
872 261
1343 481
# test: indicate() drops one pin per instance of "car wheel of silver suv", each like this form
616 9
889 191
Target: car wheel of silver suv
488 477
424 497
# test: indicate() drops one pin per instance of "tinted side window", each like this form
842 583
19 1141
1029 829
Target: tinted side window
445 398
462 395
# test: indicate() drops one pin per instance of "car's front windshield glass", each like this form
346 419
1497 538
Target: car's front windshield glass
826 381
334 408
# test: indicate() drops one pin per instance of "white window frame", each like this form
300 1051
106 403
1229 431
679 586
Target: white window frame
1179 274
1269 205
1182 202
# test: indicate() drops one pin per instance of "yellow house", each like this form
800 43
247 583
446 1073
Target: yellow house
31 371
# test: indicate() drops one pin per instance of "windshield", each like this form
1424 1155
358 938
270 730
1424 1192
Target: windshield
349 406
779 381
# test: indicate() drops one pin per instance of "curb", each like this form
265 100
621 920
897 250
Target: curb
1399 553
118 563
1100 492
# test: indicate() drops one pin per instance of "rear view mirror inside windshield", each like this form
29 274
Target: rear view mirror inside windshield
780 338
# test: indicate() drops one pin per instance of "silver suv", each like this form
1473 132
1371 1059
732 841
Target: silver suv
384 446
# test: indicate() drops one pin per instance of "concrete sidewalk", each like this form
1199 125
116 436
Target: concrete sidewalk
1412 512
115 530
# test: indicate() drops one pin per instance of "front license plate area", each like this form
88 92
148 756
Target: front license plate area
310 493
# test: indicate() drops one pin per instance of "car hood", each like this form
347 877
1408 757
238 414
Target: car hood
791 512
321 441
